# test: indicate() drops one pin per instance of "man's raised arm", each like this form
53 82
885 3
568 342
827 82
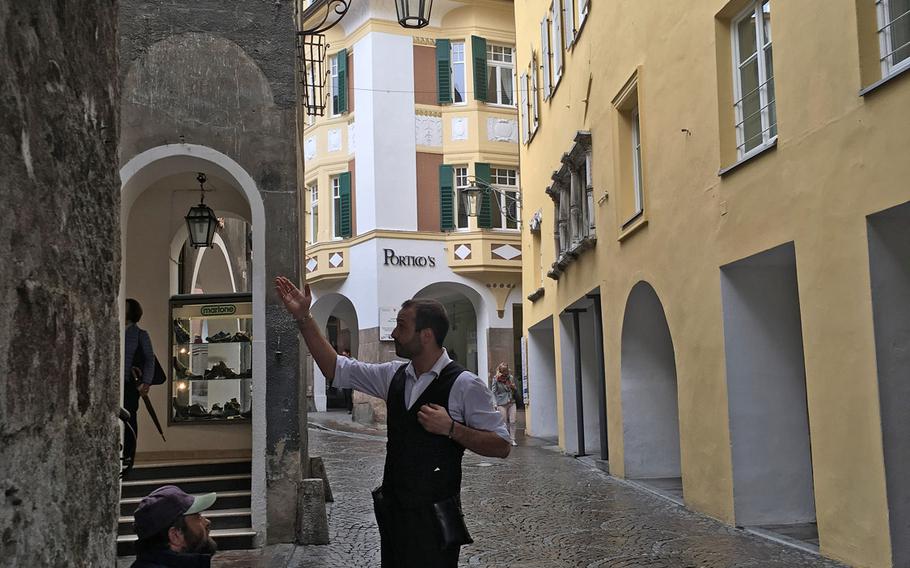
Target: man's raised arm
298 303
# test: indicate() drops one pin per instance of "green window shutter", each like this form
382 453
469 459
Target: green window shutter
342 81
344 183
443 71
485 215
446 199
479 53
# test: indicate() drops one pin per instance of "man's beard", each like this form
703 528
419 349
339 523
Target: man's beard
408 350
204 545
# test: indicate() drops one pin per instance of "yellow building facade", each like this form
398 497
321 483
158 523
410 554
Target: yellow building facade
715 259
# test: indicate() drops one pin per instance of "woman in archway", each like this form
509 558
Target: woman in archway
503 388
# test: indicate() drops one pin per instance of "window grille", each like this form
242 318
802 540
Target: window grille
311 52
755 108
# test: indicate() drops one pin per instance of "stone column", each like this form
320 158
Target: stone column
60 255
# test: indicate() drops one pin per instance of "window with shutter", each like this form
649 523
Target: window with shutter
444 71
545 56
485 215
446 199
534 95
342 100
523 108
344 182
569 14
583 6
479 55
556 41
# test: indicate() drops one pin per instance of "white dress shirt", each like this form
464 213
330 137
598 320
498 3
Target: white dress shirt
470 401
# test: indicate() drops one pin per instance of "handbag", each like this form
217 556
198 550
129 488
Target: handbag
450 521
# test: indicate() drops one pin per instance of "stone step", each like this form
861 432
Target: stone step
179 469
205 484
226 500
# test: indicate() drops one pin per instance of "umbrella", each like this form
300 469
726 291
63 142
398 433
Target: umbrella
148 405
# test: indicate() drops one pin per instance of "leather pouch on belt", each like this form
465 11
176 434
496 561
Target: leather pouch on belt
450 521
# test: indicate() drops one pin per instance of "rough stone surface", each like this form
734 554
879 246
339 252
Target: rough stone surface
313 524
60 275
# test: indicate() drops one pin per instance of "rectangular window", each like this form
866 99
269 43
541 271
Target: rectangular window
753 79
637 177
314 213
894 34
500 73
524 88
556 41
507 215
333 73
533 94
461 182
336 209
545 55
458 70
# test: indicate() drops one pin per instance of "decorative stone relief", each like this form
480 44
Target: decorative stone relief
428 130
309 149
502 130
334 140
505 252
459 128
463 251
351 138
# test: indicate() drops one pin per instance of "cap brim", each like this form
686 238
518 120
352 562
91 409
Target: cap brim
201 503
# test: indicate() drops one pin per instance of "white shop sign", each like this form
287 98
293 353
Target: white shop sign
387 321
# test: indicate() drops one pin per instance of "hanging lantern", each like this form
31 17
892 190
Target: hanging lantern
201 220
413 13
471 195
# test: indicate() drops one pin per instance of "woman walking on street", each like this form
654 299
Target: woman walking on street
504 390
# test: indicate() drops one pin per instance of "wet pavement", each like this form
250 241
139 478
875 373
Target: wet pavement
536 509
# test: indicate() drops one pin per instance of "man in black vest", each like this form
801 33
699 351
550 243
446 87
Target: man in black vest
436 409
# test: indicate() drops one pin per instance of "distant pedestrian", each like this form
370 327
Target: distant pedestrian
503 388
436 409
137 351
172 532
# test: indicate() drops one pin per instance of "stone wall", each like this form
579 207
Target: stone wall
60 277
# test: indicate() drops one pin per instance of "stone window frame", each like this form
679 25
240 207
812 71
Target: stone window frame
572 192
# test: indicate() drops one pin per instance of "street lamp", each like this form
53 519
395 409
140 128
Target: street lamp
201 220
473 203
413 13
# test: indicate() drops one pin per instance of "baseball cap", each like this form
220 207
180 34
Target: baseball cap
160 508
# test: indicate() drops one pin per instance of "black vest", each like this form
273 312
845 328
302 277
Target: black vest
420 468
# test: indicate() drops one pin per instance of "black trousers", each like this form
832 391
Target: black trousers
131 398
411 540
348 399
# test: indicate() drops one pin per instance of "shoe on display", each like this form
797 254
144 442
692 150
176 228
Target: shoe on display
181 370
232 408
180 334
217 411
196 410
220 337
241 337
198 339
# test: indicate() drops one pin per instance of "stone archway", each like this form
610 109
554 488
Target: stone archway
150 167
339 308
650 407
463 305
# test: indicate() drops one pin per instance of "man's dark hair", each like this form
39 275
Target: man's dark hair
133 310
429 314
160 540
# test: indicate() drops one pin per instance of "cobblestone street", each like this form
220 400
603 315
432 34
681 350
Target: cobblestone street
536 509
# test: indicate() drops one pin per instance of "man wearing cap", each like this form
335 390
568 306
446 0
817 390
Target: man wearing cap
172 532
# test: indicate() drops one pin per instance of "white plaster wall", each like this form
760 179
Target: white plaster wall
889 263
766 384
542 419
372 285
386 166
650 408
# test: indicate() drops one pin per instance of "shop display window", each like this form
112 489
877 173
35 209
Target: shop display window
211 370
